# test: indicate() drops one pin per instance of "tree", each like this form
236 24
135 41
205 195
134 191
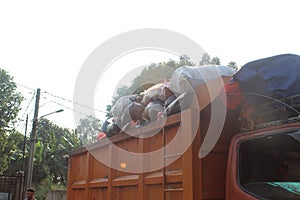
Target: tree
233 65
52 148
88 129
206 60
215 61
16 162
10 101
184 60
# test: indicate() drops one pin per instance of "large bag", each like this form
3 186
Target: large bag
273 77
186 77
205 81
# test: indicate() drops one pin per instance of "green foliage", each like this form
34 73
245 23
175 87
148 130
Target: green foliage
42 188
88 129
108 108
215 61
10 101
233 65
16 161
206 60
46 185
51 152
52 148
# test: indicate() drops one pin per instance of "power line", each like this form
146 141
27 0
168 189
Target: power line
26 87
74 102
28 115
70 109
60 104
31 100
62 98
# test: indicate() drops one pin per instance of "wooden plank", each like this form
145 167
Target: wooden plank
143 147
187 167
100 182
197 167
70 180
187 178
79 184
111 175
220 148
174 176
126 180
154 178
214 195
88 174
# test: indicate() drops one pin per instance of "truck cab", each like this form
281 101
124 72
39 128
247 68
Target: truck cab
265 164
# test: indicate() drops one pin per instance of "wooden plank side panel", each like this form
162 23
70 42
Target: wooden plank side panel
187 165
98 169
88 174
70 180
174 161
213 166
93 180
111 175
98 194
129 145
78 176
126 193
175 195
213 175
79 194
155 192
143 146
197 168
79 167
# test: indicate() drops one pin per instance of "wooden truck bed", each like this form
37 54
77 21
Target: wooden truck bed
188 177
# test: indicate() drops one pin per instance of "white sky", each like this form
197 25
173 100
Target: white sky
43 44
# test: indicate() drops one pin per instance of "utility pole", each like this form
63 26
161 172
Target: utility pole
33 139
24 144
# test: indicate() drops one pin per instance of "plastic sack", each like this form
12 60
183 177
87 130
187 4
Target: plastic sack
119 107
187 78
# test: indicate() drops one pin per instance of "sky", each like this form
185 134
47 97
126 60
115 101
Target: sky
44 44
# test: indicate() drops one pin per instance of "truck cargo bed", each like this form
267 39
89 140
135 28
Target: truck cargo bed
188 177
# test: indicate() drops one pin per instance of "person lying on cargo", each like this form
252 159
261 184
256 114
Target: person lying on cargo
131 116
156 100
100 136
152 109
108 128
128 118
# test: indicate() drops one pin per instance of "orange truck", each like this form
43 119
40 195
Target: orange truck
262 162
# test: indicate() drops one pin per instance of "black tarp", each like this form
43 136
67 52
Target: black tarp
277 77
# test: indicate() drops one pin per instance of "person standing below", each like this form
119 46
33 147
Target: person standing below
30 194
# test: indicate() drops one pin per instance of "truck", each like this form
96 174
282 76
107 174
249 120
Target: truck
254 159
263 163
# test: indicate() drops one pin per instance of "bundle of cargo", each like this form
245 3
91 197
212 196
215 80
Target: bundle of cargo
170 97
206 81
266 90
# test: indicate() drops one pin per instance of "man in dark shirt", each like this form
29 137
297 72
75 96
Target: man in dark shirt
30 194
